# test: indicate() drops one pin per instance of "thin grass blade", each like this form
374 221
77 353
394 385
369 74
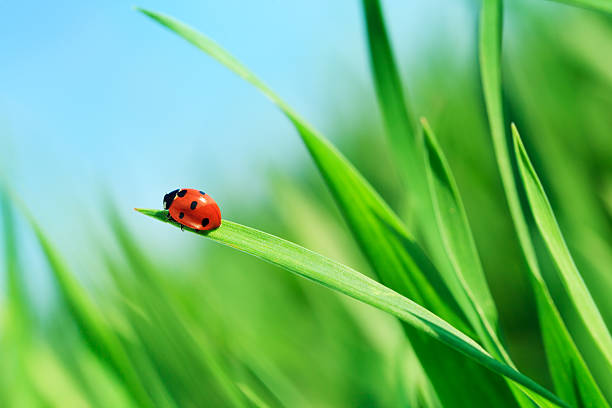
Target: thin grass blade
336 276
559 345
553 237
459 243
99 336
406 143
394 255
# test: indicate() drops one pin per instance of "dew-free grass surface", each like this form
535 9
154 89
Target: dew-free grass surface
202 325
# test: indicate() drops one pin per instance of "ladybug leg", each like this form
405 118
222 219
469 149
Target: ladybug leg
182 227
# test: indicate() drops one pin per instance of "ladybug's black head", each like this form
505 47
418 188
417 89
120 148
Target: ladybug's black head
169 198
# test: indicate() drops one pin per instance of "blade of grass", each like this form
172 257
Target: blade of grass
99 336
17 293
406 144
336 276
559 345
394 255
151 293
459 243
566 363
553 237
368 216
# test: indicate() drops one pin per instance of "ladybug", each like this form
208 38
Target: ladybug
192 208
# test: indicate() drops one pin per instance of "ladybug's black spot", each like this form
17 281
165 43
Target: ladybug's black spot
205 222
181 215
194 204
201 192
182 193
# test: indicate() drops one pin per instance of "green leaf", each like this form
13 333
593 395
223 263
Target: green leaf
99 336
394 255
459 243
16 290
565 362
339 277
399 122
460 246
407 146
568 272
597 5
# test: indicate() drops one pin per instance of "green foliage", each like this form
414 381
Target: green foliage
213 328
337 276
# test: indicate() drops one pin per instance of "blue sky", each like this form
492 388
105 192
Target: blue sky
95 94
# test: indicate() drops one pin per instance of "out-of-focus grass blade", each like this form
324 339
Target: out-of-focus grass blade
558 343
334 275
597 5
398 119
17 294
552 235
94 329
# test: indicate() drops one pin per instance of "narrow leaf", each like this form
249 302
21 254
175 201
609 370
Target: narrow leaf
568 272
337 276
406 144
558 343
99 336
458 240
394 255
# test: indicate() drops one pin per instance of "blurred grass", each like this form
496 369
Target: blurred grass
183 327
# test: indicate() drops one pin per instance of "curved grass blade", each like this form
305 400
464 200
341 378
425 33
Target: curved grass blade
604 6
394 255
565 362
336 276
102 340
406 144
459 243
553 237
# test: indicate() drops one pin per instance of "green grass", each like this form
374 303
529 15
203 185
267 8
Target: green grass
337 276
431 312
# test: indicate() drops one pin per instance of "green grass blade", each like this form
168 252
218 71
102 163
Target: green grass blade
459 242
94 329
334 275
399 122
571 376
558 343
394 255
406 143
397 259
16 290
597 5
553 237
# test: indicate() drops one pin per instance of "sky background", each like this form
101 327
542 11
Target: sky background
95 96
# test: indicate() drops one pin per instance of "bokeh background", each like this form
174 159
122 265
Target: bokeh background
102 110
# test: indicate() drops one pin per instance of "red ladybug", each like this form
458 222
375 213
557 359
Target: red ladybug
193 208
